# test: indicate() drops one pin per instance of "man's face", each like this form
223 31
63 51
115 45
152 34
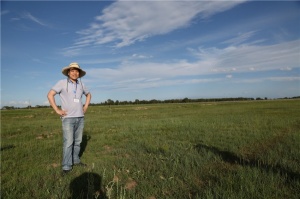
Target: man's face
74 73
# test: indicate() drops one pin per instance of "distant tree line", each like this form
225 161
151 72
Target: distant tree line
184 100
154 101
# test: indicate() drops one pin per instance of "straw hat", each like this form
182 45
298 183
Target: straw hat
66 69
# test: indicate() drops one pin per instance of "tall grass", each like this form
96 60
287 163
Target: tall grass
196 150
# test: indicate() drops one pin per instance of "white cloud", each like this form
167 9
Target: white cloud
242 37
274 79
27 15
283 79
15 19
125 22
286 68
252 57
4 12
143 83
139 56
17 103
211 61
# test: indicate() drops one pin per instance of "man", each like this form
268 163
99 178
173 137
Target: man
72 112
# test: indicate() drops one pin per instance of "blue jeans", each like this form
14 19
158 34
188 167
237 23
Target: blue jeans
72 137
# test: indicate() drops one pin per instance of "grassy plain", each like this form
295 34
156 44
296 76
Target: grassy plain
194 150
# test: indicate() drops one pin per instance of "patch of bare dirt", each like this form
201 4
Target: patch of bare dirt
130 184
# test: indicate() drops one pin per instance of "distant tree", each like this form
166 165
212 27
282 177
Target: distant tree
185 100
153 101
8 107
109 102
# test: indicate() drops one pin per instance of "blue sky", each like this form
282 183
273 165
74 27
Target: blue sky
151 49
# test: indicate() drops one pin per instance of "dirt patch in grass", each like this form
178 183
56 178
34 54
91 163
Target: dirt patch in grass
54 165
130 184
44 136
140 108
107 149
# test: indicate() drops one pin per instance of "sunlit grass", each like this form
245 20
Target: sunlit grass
196 150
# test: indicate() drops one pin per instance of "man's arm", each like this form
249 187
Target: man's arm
52 102
87 102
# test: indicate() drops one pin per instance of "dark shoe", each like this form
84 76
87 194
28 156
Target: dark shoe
65 172
80 164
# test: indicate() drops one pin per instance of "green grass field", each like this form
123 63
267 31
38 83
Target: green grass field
231 150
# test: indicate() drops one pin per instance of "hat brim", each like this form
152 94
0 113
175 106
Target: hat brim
65 71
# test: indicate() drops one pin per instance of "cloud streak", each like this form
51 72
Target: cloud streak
143 19
30 17
4 12
210 61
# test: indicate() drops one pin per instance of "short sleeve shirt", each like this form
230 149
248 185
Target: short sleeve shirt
71 96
